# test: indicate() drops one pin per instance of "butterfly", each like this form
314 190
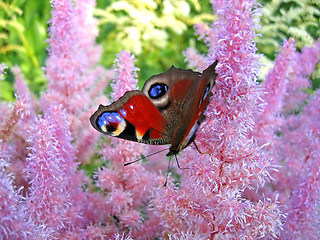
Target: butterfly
168 110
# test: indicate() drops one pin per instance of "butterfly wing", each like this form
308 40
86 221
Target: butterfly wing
133 117
168 110
183 104
197 106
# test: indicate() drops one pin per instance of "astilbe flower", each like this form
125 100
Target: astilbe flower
49 208
19 113
303 171
125 80
94 77
122 237
293 138
55 202
209 201
249 129
129 187
72 73
206 34
269 120
185 236
50 168
194 59
17 118
304 64
13 223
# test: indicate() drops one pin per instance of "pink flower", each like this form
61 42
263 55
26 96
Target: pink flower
206 34
88 30
298 183
126 75
131 218
122 237
72 73
13 223
18 117
125 80
56 200
50 167
293 140
304 66
195 59
275 87
236 190
129 188
23 93
209 201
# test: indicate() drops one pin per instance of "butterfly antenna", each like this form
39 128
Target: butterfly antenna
128 163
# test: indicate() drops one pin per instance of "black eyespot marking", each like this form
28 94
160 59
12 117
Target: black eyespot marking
157 90
111 128
129 132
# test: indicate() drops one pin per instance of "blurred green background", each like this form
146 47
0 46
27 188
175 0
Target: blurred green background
155 31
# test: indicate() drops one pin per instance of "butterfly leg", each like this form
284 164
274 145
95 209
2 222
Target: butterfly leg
194 142
165 183
169 168
179 164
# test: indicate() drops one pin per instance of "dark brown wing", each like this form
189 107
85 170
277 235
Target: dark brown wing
183 102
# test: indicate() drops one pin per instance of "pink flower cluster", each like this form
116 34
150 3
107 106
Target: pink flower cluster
293 138
210 199
259 177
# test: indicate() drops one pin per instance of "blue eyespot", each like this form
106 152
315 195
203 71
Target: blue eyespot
109 121
157 90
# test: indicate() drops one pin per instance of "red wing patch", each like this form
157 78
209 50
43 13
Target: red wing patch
141 112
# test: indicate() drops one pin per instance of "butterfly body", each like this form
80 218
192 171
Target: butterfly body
168 110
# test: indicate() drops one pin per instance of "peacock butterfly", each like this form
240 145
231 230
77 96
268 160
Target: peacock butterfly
168 110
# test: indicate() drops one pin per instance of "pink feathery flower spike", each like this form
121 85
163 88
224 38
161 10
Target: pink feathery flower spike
210 201
126 75
71 73
259 175
13 222
50 168
129 187
293 139
275 89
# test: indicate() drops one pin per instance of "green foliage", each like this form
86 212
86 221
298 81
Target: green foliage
282 19
155 31
23 32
